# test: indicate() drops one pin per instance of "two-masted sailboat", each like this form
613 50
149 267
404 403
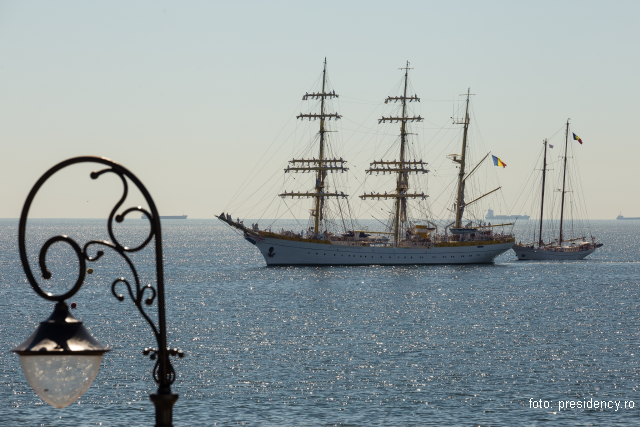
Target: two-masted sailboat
405 241
562 247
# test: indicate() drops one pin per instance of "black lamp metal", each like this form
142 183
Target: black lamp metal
61 359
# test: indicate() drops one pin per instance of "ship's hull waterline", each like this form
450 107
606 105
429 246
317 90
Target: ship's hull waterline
534 254
279 252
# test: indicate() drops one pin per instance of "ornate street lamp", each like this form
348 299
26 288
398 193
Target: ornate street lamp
61 359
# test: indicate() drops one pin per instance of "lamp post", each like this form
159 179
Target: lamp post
61 359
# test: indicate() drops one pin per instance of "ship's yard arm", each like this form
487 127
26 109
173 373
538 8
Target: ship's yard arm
476 167
485 194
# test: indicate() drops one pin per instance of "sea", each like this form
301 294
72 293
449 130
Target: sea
514 343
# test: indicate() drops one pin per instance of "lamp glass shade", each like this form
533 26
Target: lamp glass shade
60 379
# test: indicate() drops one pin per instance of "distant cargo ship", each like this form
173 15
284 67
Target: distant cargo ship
168 217
490 215
621 217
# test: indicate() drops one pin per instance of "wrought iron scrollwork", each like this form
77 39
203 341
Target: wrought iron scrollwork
153 355
163 372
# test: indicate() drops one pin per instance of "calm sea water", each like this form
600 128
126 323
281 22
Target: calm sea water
351 346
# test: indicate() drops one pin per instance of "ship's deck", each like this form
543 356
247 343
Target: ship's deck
484 238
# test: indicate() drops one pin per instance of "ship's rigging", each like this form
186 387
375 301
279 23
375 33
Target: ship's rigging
332 224
545 245
403 167
322 165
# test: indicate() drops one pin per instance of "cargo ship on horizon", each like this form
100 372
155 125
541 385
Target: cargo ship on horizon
167 216
621 217
490 215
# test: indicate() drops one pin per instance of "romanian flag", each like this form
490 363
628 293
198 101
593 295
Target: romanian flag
577 138
498 162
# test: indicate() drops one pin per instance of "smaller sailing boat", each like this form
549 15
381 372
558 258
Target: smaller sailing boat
561 248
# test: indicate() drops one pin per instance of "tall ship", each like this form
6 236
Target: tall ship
408 237
492 217
572 245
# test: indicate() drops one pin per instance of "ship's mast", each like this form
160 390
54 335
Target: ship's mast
322 165
403 177
544 172
460 199
402 167
564 176
321 172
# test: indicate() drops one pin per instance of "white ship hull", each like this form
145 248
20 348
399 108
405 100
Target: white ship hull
527 253
291 252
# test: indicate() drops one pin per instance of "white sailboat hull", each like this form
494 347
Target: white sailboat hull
288 252
525 253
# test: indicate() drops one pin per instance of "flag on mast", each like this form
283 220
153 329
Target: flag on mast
577 138
498 162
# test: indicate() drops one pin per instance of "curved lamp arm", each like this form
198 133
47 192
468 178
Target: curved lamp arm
163 372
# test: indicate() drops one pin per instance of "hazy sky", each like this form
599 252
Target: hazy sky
190 95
